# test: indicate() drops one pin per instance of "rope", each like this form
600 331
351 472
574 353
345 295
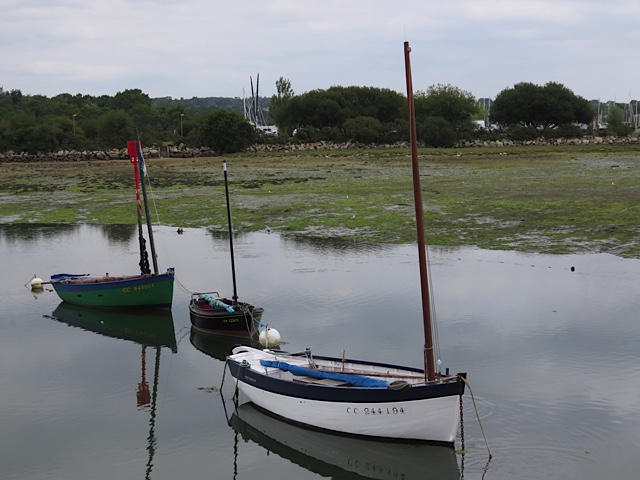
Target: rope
154 206
153 200
184 289
473 398
235 393
247 312
187 331
224 372
434 319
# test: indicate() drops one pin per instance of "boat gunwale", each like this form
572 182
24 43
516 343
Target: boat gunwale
336 394
117 282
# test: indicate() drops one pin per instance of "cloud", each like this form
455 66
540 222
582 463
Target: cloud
203 48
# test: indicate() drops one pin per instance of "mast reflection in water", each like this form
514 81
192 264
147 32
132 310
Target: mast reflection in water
152 329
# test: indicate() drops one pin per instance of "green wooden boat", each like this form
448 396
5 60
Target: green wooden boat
143 290
148 290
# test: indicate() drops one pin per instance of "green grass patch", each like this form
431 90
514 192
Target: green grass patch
534 199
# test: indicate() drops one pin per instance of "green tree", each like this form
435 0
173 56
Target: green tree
449 103
380 103
43 138
114 129
615 115
539 107
363 129
128 99
615 118
16 96
39 105
226 132
327 111
279 101
20 127
436 132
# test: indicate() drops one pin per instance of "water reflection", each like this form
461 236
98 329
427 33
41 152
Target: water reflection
29 233
149 329
218 346
333 245
223 235
33 233
146 328
119 234
330 244
551 354
335 456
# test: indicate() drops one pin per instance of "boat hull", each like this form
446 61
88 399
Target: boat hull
243 322
420 412
148 291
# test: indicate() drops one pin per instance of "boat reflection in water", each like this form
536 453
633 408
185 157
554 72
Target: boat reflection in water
219 346
336 456
152 329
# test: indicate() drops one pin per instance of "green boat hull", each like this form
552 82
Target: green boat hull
149 291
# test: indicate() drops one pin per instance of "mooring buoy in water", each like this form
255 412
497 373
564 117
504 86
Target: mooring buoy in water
269 337
36 284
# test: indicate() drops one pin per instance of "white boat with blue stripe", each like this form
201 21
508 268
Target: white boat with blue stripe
360 397
350 397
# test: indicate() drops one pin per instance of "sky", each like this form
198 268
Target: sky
215 48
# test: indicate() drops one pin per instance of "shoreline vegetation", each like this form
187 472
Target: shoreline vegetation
538 199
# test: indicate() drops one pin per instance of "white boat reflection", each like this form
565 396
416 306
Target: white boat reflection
336 456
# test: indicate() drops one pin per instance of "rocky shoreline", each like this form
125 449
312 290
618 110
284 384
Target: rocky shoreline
182 151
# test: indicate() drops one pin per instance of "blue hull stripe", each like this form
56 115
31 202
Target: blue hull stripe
111 285
327 393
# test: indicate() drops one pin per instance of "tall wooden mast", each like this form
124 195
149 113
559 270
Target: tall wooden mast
429 363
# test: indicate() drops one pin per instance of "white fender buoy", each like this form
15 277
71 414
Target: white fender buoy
269 337
36 284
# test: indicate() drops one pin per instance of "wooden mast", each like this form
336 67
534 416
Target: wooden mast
143 175
233 263
132 149
429 363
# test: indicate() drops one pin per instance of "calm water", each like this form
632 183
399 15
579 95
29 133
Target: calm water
551 354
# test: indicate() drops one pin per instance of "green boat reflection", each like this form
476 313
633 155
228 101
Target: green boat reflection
150 328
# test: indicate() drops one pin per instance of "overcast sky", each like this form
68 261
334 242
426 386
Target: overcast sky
211 48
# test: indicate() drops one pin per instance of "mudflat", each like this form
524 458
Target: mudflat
569 199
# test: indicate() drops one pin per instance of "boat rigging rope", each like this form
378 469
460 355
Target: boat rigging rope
185 289
154 206
434 320
153 200
224 372
248 311
473 399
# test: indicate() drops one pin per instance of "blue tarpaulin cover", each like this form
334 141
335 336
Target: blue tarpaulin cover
214 302
355 380
65 276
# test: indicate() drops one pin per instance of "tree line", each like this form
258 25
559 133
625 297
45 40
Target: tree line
445 115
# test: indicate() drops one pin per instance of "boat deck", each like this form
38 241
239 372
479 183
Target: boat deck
389 374
82 280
